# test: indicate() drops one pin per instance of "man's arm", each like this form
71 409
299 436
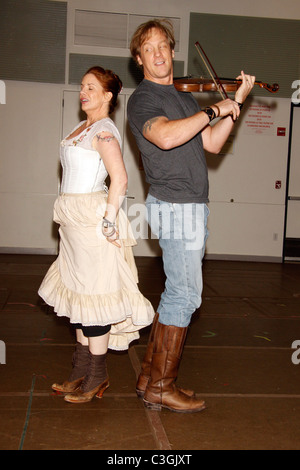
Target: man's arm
167 134
214 137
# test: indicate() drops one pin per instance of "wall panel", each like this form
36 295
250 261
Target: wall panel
33 40
264 47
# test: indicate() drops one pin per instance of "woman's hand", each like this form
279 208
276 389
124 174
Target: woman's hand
114 239
111 233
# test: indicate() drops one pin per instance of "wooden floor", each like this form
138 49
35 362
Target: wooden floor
238 356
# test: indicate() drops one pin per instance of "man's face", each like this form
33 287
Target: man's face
156 58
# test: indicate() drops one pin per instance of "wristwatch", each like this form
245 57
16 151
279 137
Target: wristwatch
239 104
210 113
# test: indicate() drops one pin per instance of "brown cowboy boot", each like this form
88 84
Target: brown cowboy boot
161 391
146 365
95 382
80 364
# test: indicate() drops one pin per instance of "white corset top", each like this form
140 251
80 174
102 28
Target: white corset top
83 168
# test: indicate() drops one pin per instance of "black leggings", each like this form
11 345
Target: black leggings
92 331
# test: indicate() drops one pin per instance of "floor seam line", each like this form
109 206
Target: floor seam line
27 413
153 417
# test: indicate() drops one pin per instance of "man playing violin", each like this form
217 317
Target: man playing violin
172 134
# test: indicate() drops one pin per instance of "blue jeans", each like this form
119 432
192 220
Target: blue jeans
182 233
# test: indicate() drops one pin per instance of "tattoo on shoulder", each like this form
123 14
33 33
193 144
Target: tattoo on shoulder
105 138
148 124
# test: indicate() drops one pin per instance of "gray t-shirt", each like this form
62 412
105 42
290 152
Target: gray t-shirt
177 175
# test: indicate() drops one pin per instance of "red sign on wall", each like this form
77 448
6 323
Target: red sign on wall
281 131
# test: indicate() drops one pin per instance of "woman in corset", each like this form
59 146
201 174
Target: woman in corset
93 281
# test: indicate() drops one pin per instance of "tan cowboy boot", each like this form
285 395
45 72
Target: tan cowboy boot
161 391
80 363
146 365
95 382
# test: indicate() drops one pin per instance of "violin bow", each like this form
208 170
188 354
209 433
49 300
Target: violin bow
210 69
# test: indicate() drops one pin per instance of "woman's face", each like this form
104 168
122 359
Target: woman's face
93 97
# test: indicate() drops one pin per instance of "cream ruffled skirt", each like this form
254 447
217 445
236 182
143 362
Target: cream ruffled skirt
92 281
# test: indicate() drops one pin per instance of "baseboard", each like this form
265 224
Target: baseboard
254 258
27 251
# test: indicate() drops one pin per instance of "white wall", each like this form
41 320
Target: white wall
31 129
247 184
29 134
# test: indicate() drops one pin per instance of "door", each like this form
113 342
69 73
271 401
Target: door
291 249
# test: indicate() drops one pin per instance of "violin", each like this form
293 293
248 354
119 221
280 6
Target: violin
215 84
230 85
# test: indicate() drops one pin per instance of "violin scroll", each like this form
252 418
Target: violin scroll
271 88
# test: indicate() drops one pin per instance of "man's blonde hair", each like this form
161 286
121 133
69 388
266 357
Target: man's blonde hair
144 30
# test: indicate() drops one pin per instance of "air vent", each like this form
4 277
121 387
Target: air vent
94 28
103 29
